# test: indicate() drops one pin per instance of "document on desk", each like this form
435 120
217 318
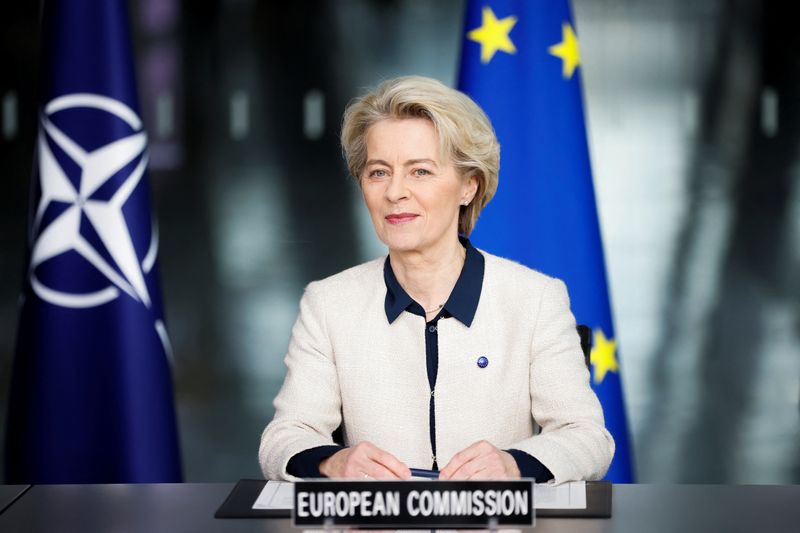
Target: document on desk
570 495
275 495
280 495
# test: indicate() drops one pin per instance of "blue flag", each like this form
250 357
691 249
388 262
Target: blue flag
521 63
91 394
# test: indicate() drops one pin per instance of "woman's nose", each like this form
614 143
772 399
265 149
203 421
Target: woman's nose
396 190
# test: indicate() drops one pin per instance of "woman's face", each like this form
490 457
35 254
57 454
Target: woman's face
413 194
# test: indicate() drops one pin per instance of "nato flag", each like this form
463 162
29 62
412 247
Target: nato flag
91 393
521 63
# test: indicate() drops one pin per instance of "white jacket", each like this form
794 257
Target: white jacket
345 359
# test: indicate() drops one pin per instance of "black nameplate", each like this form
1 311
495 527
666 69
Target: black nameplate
400 504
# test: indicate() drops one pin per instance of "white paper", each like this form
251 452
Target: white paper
280 495
570 495
275 495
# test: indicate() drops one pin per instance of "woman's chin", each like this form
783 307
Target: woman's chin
402 243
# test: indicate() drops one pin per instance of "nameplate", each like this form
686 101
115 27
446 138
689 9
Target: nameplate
407 504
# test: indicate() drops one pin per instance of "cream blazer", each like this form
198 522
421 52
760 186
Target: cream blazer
346 363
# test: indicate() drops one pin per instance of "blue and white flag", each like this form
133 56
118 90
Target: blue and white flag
91 393
521 63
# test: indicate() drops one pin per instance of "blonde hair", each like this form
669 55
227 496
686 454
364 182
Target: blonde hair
464 131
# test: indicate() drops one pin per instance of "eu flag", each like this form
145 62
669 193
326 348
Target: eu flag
521 63
91 394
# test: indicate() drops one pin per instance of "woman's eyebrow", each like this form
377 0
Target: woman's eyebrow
418 161
407 163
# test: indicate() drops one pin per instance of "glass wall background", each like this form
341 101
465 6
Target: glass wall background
693 122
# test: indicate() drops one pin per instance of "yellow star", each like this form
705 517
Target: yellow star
493 35
603 356
567 50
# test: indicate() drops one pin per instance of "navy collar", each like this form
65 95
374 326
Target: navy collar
462 302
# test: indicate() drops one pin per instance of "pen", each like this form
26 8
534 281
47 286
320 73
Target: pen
421 472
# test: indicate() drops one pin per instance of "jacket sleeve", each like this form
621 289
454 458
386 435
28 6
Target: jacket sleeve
574 443
308 406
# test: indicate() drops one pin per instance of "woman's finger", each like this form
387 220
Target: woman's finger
368 461
391 463
459 459
378 471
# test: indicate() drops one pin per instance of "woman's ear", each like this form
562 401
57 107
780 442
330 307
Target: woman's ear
470 188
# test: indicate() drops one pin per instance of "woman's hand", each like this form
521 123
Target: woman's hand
482 460
364 461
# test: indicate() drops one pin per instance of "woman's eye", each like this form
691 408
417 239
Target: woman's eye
422 172
377 173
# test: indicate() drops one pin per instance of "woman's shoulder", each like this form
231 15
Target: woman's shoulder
519 286
507 278
359 278
503 270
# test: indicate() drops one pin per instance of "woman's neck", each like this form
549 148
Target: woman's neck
429 276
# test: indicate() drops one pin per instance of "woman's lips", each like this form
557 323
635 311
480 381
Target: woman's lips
400 218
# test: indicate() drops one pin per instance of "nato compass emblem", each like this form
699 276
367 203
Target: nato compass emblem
80 220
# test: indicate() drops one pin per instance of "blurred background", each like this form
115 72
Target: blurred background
693 111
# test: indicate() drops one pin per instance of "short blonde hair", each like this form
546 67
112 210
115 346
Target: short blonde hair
464 131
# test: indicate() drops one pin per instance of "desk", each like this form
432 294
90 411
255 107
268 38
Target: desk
9 493
190 508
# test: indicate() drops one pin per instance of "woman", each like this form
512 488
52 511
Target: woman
438 355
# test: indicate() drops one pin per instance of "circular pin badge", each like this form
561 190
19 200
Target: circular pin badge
483 362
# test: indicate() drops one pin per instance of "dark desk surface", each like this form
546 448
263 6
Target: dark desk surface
9 493
190 508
